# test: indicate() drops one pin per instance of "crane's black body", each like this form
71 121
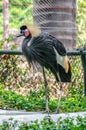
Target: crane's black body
47 51
41 50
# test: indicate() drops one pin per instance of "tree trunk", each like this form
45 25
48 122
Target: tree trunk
58 18
5 20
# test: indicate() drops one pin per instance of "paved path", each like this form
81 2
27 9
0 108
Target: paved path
23 116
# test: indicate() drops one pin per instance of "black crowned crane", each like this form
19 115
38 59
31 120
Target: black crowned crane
48 52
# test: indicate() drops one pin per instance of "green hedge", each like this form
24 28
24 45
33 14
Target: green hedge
46 124
36 102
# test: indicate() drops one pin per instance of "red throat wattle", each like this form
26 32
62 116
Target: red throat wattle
27 33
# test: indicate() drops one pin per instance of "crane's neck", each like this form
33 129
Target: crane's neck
25 42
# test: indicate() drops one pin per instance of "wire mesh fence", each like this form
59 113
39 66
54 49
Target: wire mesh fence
17 75
26 10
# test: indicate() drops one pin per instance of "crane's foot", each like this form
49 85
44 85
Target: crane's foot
46 111
57 111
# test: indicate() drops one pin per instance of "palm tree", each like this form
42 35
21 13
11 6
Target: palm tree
58 18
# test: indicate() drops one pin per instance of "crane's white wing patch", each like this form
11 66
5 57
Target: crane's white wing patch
62 60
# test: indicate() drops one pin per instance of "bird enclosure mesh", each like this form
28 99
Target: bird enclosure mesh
22 79
63 19
57 17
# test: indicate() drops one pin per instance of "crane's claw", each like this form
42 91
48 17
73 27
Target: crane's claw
46 111
57 111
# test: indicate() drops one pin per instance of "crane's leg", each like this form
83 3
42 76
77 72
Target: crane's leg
60 96
46 90
59 100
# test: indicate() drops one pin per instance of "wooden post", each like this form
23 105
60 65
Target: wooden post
5 21
83 58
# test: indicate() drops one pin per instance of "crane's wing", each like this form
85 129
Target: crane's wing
58 45
62 60
47 51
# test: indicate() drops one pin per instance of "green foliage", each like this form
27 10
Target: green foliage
36 102
46 124
19 11
10 100
81 22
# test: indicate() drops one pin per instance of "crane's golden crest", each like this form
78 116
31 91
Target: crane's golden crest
33 28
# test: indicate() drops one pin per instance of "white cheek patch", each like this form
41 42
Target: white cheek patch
62 60
28 44
27 33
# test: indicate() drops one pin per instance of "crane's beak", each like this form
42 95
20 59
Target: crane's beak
15 38
19 35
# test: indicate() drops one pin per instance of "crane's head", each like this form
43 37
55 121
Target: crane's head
24 31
